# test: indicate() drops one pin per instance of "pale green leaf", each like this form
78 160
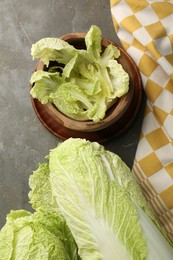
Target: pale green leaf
99 212
53 49
93 41
38 236
44 83
40 195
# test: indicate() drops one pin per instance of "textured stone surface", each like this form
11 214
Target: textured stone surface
24 142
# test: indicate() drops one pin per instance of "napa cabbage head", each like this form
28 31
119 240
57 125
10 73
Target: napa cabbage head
38 236
102 204
94 71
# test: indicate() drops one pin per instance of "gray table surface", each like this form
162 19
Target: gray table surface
24 141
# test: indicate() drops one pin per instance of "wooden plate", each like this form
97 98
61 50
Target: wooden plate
120 125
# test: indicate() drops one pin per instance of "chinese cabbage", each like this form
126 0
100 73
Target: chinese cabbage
88 206
103 205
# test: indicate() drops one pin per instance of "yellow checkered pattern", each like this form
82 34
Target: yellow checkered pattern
145 29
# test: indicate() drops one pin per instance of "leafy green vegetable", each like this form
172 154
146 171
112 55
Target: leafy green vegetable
38 236
46 83
118 78
48 49
75 104
93 42
41 197
92 66
102 204
110 53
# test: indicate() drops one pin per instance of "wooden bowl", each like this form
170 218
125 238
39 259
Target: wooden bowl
118 116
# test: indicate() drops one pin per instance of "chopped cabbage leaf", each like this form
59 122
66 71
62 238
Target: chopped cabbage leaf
45 83
77 66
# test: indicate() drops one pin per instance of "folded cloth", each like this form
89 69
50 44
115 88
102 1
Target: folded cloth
145 29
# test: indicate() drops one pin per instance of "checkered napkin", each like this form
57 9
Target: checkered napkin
145 29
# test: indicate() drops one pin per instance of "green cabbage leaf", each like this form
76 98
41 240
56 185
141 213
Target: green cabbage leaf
38 236
40 195
48 49
45 83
